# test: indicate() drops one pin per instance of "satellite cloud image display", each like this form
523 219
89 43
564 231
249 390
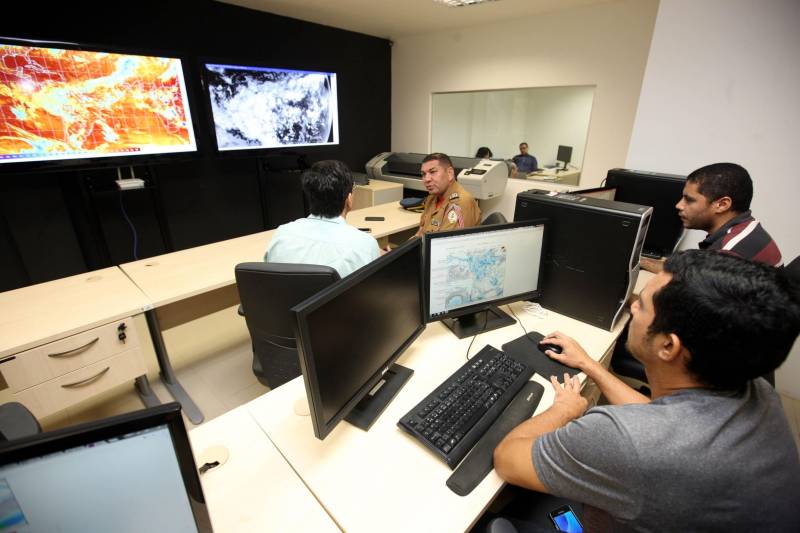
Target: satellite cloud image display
267 108
67 104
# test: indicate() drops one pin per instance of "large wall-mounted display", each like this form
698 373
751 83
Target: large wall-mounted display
63 105
256 107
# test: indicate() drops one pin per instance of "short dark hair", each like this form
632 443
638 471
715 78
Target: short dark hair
737 318
724 179
523 142
483 152
326 185
444 159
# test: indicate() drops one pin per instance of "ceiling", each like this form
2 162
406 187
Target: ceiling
391 19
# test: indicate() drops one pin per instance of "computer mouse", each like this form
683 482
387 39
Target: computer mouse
543 346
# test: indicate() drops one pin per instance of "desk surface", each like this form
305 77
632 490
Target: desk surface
178 275
384 476
41 313
255 490
397 219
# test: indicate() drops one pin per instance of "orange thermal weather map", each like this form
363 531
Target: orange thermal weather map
66 104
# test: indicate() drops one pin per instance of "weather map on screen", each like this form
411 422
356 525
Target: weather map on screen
256 107
58 104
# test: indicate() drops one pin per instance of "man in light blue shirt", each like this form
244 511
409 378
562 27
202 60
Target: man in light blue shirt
324 237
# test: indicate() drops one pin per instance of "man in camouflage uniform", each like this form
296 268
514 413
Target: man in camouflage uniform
448 206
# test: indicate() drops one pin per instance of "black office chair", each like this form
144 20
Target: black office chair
494 218
17 422
268 291
792 271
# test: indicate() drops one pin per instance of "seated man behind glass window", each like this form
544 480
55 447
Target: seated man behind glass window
324 237
525 162
712 449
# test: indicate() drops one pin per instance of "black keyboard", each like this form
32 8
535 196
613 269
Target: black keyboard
451 419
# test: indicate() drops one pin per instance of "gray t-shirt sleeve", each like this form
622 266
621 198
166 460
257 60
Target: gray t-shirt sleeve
589 460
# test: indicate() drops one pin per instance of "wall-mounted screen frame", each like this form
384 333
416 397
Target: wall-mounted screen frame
72 105
255 107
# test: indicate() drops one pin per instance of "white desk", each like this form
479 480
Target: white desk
188 284
57 334
255 490
568 177
383 479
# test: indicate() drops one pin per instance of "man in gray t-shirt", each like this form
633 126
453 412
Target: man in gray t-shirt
712 450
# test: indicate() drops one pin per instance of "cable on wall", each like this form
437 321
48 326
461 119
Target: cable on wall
127 218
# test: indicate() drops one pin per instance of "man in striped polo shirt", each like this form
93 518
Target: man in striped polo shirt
716 199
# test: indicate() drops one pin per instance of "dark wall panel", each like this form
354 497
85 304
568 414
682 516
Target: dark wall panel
226 195
66 223
40 229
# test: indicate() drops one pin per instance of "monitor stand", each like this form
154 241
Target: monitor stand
472 324
372 405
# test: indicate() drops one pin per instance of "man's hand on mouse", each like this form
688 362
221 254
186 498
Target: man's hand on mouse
571 352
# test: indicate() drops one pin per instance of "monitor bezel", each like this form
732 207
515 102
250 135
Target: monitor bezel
25 167
306 356
531 295
83 434
211 134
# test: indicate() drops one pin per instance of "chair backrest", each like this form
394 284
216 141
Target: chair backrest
16 421
792 271
269 290
494 218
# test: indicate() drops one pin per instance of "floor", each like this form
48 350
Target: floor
216 384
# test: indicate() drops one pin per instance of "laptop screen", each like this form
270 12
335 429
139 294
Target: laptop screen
126 482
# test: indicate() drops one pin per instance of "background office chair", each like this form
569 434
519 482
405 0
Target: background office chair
268 291
17 422
494 218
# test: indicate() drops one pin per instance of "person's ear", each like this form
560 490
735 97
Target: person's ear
723 204
349 201
669 347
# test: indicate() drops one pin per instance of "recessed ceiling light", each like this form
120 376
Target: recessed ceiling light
460 3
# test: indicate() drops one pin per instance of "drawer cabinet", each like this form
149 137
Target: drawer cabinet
56 375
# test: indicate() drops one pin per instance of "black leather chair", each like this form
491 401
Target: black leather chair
268 291
17 422
494 218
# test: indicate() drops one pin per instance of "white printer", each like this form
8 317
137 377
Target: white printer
483 178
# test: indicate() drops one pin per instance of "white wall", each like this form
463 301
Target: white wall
723 84
604 45
544 117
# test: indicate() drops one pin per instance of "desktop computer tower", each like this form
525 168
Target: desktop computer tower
591 256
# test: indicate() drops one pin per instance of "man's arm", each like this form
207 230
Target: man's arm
513 458
615 390
651 265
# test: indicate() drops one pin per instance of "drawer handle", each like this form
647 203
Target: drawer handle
87 381
76 351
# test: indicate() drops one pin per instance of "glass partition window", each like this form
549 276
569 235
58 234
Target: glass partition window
544 117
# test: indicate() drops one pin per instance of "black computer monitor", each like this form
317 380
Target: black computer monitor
564 155
469 272
661 192
350 334
132 472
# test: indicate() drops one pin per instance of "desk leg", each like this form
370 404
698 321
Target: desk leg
167 373
148 397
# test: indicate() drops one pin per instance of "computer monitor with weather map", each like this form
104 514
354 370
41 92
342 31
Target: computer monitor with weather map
257 108
70 106
470 272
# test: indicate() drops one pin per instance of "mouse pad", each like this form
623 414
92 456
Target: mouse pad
526 349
